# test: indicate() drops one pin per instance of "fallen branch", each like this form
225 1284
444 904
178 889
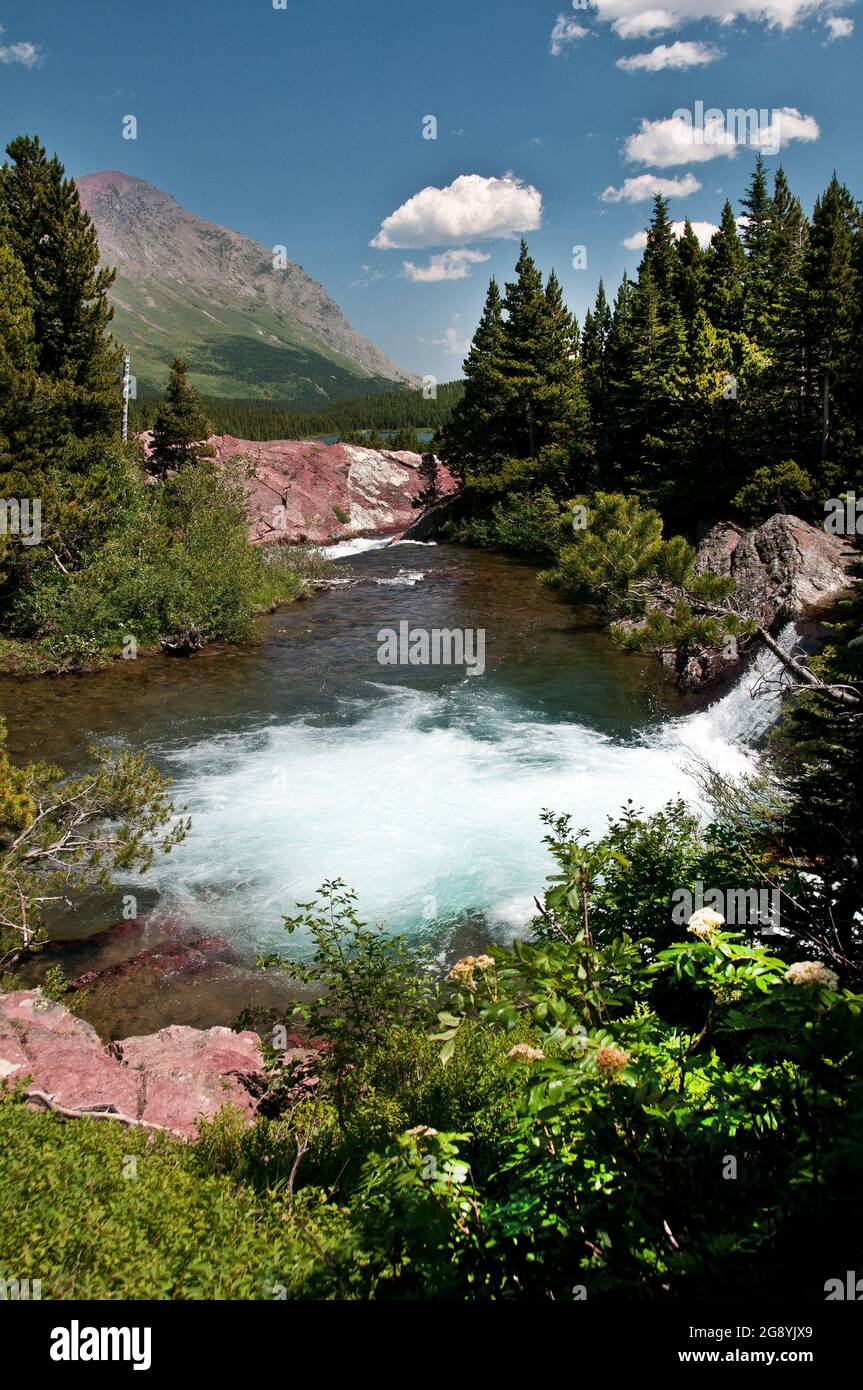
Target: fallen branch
96 1112
839 695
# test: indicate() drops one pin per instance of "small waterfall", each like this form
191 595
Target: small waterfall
744 715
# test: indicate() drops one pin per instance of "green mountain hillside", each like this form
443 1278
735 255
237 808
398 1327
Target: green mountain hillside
247 330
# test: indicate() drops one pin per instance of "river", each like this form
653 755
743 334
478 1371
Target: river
304 758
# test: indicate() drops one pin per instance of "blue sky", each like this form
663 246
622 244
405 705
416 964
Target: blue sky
304 127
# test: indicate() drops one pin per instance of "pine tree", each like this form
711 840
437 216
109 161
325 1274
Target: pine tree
20 415
55 241
181 428
595 365
831 294
726 268
660 374
617 446
472 440
19 381
561 421
660 259
757 230
430 493
689 277
526 324
783 336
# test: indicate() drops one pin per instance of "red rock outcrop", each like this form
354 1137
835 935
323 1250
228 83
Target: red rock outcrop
303 490
170 1079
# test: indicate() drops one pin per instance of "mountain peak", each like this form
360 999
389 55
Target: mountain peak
248 327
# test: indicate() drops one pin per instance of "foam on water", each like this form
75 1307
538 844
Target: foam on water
342 549
426 804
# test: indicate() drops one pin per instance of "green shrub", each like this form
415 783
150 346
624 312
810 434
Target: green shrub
98 1211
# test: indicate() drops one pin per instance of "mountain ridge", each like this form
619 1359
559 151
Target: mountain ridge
189 287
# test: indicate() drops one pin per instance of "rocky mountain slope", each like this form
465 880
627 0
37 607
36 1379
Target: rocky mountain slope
249 331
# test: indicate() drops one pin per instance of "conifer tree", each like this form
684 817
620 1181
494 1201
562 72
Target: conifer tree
54 239
689 276
561 412
659 376
831 293
660 258
19 382
20 415
528 321
757 229
472 440
783 337
595 365
617 445
726 268
181 428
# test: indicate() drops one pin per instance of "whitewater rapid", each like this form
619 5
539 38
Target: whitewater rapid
427 804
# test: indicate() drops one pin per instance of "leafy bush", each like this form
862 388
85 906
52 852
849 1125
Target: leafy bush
530 525
165 557
97 1211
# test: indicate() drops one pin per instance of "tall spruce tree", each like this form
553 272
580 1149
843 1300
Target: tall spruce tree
783 337
726 269
689 277
757 229
595 366
617 447
20 432
659 375
472 443
181 428
55 241
528 320
22 412
831 300
660 259
561 410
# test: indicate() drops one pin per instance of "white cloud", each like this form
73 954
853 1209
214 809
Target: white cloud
838 26
642 24
471 208
703 230
449 265
644 186
565 31
695 137
786 125
27 54
451 341
674 55
630 19
672 140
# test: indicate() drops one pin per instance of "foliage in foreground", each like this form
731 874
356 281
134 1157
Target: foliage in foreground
615 1107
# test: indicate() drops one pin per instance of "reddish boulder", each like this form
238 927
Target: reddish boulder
188 1073
782 570
170 1079
62 1054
